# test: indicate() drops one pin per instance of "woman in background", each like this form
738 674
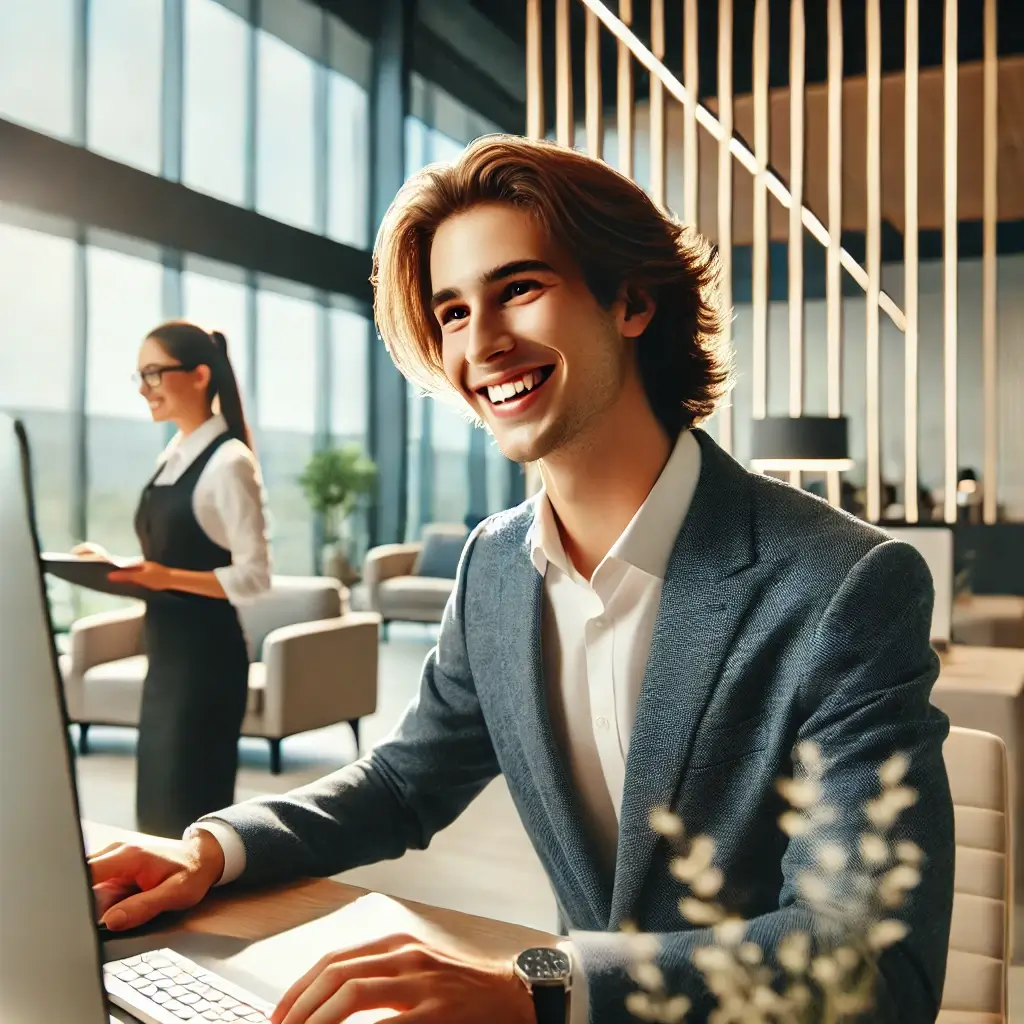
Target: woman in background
201 527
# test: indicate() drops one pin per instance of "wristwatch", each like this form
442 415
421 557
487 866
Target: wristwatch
547 974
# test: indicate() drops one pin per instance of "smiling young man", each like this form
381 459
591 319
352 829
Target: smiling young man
657 629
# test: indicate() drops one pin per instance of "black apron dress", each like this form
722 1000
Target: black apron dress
194 696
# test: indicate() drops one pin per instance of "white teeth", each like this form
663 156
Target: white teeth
499 393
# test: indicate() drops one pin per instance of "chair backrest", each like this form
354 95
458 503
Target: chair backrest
979 940
291 599
935 544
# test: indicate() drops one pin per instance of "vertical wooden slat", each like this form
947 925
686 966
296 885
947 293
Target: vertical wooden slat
725 27
564 127
990 199
950 73
657 132
759 256
873 247
625 95
595 112
911 429
833 268
691 81
797 57
534 72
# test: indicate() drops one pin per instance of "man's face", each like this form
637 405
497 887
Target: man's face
524 341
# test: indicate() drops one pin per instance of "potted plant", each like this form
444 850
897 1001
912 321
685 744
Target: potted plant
334 481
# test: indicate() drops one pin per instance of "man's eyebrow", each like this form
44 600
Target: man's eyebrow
496 274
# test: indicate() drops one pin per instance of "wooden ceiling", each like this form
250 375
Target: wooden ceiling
1009 148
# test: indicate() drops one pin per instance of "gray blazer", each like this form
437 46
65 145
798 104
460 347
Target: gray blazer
781 620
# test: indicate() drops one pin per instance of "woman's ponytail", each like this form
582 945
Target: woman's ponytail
225 385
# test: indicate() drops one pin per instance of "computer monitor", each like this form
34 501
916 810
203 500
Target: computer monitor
935 545
49 949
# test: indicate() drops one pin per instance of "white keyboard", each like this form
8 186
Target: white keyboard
163 987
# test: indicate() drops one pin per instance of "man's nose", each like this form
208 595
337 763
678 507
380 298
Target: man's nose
488 337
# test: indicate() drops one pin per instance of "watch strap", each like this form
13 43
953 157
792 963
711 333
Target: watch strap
551 1004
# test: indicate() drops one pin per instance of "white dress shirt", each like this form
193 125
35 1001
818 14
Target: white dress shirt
596 638
228 503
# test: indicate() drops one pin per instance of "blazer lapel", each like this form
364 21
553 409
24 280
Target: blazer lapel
556 821
701 607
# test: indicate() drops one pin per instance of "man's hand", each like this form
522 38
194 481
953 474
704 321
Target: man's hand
404 974
133 883
150 575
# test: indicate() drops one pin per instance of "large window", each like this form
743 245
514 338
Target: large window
286 381
348 196
37 363
217 299
285 133
125 80
124 302
37 41
215 100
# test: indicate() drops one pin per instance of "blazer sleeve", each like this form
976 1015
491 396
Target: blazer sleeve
396 798
868 679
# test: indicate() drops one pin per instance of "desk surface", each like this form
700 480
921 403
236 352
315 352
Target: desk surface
995 671
255 916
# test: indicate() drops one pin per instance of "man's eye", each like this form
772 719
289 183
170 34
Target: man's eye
517 288
454 313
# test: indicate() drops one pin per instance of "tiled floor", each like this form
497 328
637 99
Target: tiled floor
482 864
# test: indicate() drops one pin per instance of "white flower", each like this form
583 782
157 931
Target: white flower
893 772
686 869
799 995
731 931
887 933
897 883
832 858
751 954
665 823
809 754
648 976
794 952
707 883
909 853
847 958
675 1009
813 888
885 809
799 793
825 970
713 959
700 913
873 850
794 824
640 1005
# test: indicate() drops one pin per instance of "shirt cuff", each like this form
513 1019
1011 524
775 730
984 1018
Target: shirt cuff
242 584
579 996
231 846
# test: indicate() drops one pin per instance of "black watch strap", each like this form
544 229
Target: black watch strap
549 1004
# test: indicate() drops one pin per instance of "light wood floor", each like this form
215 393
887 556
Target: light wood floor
482 864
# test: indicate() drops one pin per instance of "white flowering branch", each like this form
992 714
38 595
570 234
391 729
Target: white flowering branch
851 894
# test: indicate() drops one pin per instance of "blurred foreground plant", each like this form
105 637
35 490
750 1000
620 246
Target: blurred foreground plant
852 895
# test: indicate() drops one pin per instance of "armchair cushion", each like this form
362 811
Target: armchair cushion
291 599
440 553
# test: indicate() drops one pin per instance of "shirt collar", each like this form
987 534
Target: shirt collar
648 539
183 451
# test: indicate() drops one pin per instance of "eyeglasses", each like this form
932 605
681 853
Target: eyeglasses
153 376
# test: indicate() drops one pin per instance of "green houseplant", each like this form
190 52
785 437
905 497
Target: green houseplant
334 481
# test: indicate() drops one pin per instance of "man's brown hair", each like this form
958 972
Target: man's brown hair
617 236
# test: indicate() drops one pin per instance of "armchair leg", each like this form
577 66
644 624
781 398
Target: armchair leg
275 756
83 738
354 722
385 631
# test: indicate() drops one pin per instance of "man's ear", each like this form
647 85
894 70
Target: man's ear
637 309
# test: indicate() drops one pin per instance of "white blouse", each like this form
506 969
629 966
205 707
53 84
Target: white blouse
229 505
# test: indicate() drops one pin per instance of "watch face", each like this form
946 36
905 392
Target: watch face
542 965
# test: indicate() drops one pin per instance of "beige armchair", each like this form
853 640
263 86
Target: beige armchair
980 942
398 589
314 664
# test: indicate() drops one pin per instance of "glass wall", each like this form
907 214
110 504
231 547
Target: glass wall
440 473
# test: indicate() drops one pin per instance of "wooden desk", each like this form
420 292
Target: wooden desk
995 620
254 916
